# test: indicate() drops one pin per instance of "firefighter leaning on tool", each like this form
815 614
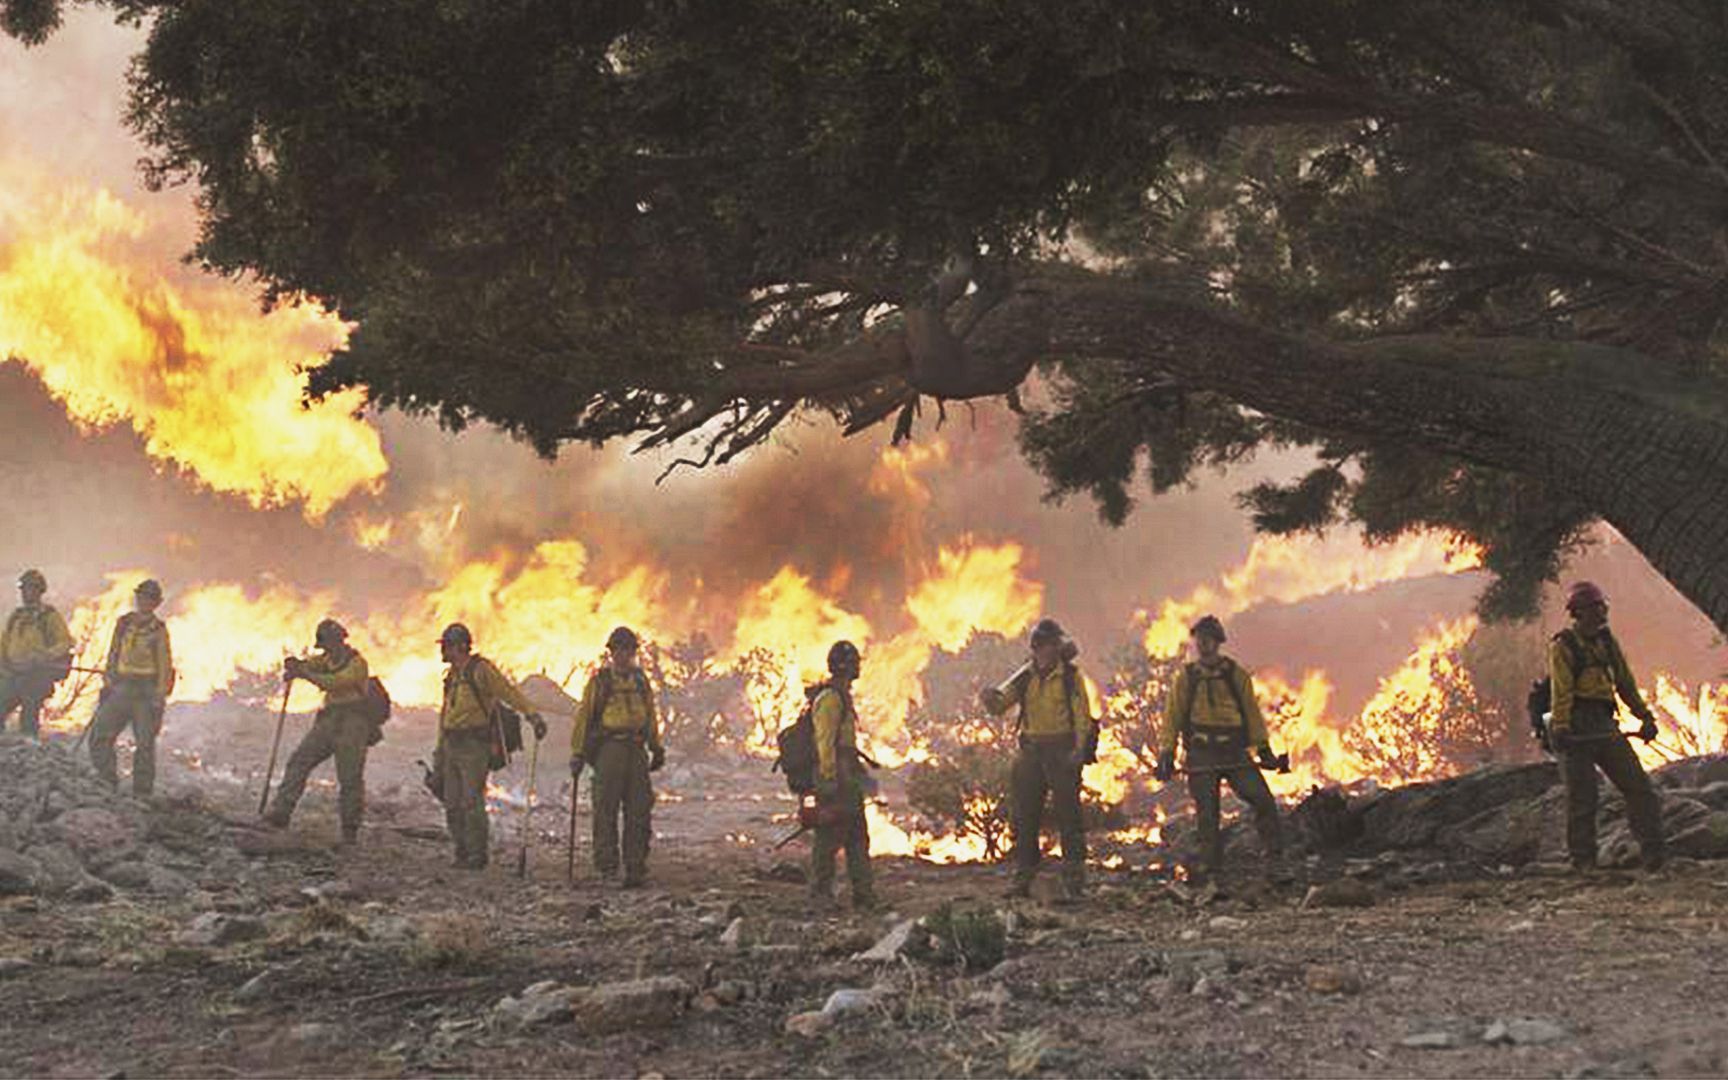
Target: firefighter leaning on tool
341 729
617 731
140 676
474 689
840 784
1055 727
1586 669
35 654
1212 708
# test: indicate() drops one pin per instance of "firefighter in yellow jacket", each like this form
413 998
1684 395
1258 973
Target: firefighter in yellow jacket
1055 727
474 690
341 729
140 676
840 784
1586 670
35 654
617 731
1212 708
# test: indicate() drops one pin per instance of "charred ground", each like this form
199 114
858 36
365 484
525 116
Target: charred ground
258 952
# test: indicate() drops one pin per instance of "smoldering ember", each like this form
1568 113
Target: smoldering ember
863 539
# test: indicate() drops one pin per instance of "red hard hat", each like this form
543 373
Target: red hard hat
1583 594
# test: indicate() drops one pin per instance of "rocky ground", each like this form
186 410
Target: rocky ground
1429 933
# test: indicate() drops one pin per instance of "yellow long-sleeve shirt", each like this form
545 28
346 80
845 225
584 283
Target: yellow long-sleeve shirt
1048 711
342 676
463 710
836 723
629 707
35 637
1202 696
140 650
1604 672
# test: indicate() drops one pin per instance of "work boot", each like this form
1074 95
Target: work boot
1653 860
350 837
1583 866
821 901
634 879
864 900
1019 887
276 818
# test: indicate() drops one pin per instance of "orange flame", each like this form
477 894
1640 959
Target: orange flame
210 386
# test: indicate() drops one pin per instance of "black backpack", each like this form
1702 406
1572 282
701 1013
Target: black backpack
1194 676
1540 702
796 744
596 730
376 704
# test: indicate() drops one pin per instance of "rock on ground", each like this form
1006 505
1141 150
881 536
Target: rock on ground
597 1010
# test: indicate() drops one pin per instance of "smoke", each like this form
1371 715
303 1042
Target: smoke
155 423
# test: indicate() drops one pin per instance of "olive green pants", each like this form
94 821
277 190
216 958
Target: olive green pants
128 703
341 732
464 760
1045 767
851 834
25 691
622 788
1598 746
1217 758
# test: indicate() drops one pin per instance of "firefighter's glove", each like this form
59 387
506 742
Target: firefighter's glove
995 701
827 791
575 766
1265 757
1165 769
656 758
1647 730
538 725
1558 740
293 668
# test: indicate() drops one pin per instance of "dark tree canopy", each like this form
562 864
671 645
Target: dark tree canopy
1473 252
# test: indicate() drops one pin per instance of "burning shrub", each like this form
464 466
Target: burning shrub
702 706
964 794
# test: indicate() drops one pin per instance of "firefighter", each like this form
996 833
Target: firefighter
1587 668
468 740
1055 729
140 676
1212 708
840 784
617 731
342 729
35 654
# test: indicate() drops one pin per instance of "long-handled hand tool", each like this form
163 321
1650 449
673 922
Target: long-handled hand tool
528 810
570 845
275 746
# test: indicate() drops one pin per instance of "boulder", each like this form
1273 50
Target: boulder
609 1007
19 874
889 947
540 1004
214 929
1342 893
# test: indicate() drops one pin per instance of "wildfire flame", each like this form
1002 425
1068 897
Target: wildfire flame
210 386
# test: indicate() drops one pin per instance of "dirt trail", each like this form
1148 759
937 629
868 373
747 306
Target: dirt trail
301 959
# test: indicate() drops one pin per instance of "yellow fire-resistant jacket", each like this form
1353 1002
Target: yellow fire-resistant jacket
1214 705
463 711
342 676
1603 672
836 724
35 637
1046 711
629 708
139 650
